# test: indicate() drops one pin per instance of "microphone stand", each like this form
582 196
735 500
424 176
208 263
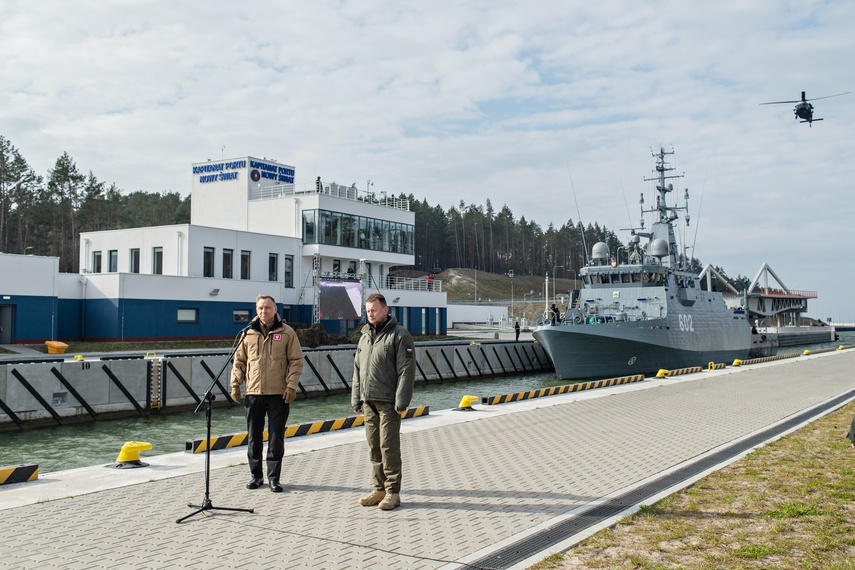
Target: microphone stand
206 401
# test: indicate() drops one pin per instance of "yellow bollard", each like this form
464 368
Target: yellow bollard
840 347
78 357
465 404
806 352
737 362
662 373
129 456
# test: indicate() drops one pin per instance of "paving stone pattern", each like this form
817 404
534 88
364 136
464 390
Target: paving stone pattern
466 486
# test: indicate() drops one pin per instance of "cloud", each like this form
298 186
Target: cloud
474 100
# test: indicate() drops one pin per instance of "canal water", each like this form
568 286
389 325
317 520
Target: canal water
98 443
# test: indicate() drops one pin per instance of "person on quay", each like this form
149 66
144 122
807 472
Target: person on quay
384 371
851 434
517 331
269 360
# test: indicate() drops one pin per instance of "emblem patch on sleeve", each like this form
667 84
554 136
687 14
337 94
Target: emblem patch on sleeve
277 337
409 352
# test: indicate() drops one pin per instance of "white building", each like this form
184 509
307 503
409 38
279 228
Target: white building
318 251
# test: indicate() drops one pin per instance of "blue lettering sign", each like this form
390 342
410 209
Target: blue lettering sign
214 167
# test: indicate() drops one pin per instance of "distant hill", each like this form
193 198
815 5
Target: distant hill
526 291
460 284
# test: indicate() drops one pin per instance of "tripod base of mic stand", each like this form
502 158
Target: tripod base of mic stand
208 506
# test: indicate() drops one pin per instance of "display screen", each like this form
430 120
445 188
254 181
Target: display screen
340 299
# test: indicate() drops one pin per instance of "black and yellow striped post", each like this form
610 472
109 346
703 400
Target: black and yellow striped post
556 390
765 359
678 372
297 430
18 474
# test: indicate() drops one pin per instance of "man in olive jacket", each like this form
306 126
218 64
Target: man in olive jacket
384 371
270 361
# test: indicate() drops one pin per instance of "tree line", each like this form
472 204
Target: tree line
44 215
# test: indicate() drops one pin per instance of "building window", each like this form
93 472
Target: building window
348 230
309 227
349 225
157 261
288 271
96 262
240 316
227 263
244 264
208 262
134 256
188 315
336 266
325 227
273 267
113 261
363 233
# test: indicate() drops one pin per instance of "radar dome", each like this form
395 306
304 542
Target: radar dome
600 251
659 248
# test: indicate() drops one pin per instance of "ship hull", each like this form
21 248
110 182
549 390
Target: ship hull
585 351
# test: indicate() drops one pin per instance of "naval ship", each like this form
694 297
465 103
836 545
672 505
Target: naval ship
651 312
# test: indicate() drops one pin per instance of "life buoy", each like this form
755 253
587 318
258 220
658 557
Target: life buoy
577 319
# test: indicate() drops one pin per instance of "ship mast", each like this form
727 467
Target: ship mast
663 228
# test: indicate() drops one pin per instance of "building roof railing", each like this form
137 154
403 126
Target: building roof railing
777 293
788 294
330 189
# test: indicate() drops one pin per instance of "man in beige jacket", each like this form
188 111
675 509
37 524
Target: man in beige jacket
269 361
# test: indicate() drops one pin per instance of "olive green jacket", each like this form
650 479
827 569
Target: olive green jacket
384 367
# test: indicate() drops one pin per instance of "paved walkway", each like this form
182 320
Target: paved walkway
18 350
473 481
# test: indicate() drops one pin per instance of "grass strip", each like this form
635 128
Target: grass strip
787 505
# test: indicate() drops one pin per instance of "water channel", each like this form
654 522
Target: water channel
97 443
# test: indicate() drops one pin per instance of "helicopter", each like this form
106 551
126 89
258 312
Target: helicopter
804 110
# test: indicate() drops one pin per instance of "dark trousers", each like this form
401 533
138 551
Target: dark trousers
383 432
276 411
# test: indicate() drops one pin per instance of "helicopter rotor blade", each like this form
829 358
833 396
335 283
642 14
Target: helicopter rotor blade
827 96
782 102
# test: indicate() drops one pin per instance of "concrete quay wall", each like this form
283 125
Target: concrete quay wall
36 393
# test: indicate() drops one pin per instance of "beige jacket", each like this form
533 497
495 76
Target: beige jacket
268 365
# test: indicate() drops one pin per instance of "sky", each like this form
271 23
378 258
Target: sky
549 107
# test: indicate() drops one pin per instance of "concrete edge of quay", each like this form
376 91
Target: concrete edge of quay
84 480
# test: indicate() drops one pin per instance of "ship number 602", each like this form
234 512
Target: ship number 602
686 323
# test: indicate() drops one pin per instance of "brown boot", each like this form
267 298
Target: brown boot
390 501
373 499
